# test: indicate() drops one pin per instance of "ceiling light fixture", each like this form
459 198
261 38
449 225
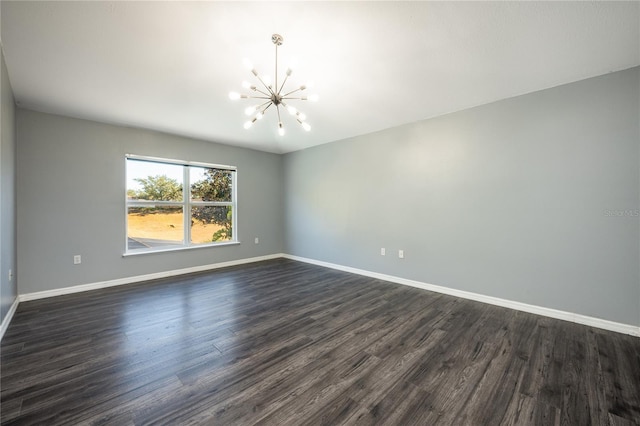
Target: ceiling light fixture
273 94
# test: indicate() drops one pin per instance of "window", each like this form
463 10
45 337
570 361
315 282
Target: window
174 204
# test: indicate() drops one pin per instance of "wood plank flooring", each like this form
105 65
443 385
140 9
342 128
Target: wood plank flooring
287 343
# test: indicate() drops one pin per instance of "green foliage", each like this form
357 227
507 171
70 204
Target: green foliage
226 232
157 188
216 186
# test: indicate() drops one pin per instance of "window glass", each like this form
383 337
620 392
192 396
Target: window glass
211 223
178 205
210 184
154 181
155 227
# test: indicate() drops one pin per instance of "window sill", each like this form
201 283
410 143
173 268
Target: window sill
172 249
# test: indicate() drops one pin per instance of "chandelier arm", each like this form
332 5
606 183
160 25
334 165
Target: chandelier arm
293 91
284 105
258 97
263 83
276 73
267 107
299 116
278 109
260 91
283 83
260 109
303 98
263 104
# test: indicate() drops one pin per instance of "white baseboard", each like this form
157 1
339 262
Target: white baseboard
538 310
139 278
533 309
7 318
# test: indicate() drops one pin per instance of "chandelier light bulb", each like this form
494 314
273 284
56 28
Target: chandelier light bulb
259 115
306 126
301 116
250 110
246 84
280 129
313 98
248 124
292 110
234 96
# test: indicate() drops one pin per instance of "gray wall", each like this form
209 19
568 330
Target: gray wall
517 199
8 289
71 195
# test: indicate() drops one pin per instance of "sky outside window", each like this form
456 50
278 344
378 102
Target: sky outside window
144 169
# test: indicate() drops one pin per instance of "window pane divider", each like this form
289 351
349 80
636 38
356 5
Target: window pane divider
186 194
133 203
212 203
181 162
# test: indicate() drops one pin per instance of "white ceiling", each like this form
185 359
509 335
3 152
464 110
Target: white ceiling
170 65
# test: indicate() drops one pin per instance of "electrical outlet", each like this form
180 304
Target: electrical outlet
401 254
257 240
77 259
383 251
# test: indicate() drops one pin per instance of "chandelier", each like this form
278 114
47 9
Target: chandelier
270 95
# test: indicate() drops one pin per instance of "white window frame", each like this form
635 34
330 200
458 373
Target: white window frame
186 205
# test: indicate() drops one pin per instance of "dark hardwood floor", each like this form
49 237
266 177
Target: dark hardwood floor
286 343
